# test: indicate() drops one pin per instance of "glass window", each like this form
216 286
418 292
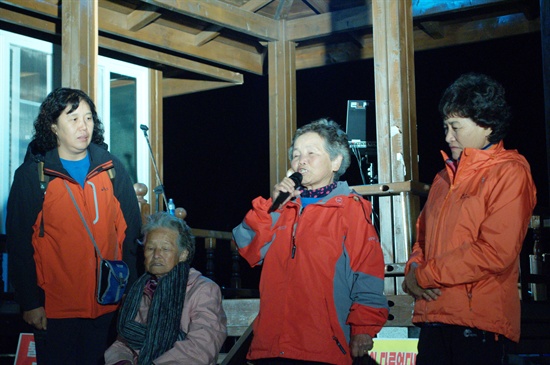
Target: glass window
26 70
123 105
123 121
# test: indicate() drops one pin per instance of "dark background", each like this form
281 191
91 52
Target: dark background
216 143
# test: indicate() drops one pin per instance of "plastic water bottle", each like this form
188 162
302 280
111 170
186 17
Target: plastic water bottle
171 207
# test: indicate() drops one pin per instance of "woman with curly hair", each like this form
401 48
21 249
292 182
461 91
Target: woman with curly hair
52 259
463 270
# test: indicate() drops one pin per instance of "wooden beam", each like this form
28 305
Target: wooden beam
214 30
477 31
283 9
170 60
79 45
324 24
140 18
176 41
318 6
50 8
28 21
175 87
319 55
282 105
207 35
225 15
361 17
50 27
395 126
433 29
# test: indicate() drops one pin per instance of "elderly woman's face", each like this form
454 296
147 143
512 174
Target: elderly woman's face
161 251
311 159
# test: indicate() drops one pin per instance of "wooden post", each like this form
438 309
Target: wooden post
79 45
395 126
282 103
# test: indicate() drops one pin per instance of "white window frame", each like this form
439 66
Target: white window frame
106 66
7 169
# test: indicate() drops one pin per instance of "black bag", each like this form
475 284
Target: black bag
112 280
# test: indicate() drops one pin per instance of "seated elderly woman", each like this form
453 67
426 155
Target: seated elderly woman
172 314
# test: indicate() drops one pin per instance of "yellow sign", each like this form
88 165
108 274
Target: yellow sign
394 351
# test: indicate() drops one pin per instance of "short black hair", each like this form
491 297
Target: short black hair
480 98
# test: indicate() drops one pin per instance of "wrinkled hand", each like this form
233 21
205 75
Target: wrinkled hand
360 344
287 185
411 287
36 318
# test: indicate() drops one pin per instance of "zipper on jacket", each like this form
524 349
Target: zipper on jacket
293 254
469 294
339 344
342 349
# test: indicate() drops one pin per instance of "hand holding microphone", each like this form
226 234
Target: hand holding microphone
284 189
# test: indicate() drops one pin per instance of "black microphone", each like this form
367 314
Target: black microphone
297 178
144 128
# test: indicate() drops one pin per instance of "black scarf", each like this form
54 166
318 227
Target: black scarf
163 319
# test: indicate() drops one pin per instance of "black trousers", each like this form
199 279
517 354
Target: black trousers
443 344
70 341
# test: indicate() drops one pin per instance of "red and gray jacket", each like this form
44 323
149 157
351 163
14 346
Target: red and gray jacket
322 276
56 268
469 237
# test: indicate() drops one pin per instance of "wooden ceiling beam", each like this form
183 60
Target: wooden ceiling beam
214 30
50 27
283 9
433 29
142 17
225 15
173 61
456 33
28 21
361 17
175 87
476 31
207 35
50 8
318 6
324 24
173 40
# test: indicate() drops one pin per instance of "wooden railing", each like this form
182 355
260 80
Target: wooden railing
400 305
210 239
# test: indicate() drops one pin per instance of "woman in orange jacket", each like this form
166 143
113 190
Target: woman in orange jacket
463 270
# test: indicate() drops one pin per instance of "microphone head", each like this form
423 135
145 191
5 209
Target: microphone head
144 127
297 178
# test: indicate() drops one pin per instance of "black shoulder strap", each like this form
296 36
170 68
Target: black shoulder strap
43 180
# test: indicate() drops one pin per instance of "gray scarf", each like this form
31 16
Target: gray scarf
162 329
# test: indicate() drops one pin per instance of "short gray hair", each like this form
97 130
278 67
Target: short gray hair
186 241
336 142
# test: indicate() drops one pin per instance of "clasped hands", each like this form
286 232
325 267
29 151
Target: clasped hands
411 287
360 344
